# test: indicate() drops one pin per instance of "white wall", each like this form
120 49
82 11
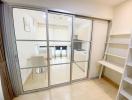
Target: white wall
98 46
122 18
121 23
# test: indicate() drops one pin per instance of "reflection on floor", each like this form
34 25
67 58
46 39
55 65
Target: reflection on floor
58 74
84 90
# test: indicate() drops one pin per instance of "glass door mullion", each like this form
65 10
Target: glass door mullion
89 58
48 58
72 52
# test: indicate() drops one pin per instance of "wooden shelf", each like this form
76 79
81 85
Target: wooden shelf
121 57
127 79
125 94
112 66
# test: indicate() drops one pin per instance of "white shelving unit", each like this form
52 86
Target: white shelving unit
129 64
111 66
118 57
125 89
116 53
125 94
121 57
117 43
122 34
127 79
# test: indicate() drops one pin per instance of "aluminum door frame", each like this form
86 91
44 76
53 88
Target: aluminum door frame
46 10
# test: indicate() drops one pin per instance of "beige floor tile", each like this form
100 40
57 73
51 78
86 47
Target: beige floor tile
84 90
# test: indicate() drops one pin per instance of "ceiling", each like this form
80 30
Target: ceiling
104 2
96 8
109 2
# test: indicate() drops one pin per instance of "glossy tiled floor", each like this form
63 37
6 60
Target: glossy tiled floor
84 90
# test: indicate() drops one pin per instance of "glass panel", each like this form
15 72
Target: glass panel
59 73
81 47
82 29
60 27
31 54
60 47
34 78
81 51
30 31
29 24
79 70
60 52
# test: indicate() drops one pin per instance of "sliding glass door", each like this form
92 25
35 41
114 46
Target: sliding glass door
31 42
53 48
60 31
81 47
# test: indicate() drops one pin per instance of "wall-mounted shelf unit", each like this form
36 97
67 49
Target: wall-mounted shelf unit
127 79
125 89
120 34
129 64
125 94
111 66
114 43
116 53
120 57
124 63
